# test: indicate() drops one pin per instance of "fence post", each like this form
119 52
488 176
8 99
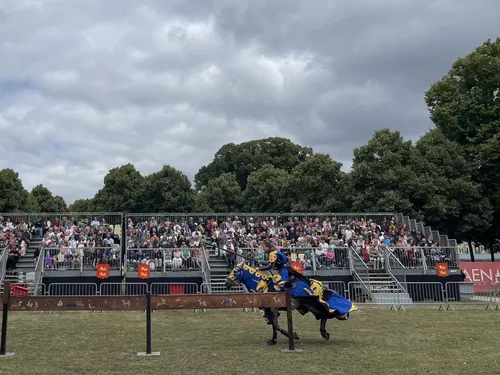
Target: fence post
148 352
5 316
289 317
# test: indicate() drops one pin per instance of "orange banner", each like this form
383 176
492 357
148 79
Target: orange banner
297 266
102 271
442 269
143 271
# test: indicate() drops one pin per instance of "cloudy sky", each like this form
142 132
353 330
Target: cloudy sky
87 85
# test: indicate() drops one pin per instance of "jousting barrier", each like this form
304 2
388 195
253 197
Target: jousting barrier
147 303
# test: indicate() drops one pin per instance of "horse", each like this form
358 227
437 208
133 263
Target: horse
323 303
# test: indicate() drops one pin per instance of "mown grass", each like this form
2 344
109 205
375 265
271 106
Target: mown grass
374 341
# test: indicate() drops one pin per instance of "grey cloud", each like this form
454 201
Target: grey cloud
89 85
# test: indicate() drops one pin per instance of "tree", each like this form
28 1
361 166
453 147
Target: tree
46 201
222 194
31 204
167 190
315 185
465 106
82 205
382 178
248 157
266 190
121 190
445 194
13 195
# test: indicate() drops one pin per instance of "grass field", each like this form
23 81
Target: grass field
374 341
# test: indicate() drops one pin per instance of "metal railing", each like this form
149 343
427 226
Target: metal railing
114 289
217 288
444 295
391 262
420 257
80 258
163 260
39 269
3 263
205 266
359 269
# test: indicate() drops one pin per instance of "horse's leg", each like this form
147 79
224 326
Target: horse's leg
322 329
274 322
283 331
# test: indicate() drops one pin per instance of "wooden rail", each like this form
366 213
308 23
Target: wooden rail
146 303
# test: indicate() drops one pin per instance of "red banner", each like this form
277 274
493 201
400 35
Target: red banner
442 269
143 271
485 273
297 266
102 271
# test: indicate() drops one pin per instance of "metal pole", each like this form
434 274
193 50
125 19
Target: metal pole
148 323
148 352
289 318
5 315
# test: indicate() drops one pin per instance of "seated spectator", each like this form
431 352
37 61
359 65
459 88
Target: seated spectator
73 243
163 240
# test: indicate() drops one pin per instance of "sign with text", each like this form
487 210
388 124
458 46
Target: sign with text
481 272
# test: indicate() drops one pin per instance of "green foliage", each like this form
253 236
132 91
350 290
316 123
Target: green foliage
445 193
266 190
13 195
82 205
248 157
221 194
382 177
121 190
46 201
167 190
315 185
465 106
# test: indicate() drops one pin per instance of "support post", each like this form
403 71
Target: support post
289 318
5 316
148 352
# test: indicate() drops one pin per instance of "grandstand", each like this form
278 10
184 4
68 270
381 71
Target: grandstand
380 251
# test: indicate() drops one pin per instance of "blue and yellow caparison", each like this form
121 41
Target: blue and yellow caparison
335 305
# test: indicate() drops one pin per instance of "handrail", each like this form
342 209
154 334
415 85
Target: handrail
355 273
388 255
205 265
39 268
3 263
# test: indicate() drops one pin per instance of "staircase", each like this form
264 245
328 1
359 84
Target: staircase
219 271
25 268
381 286
26 264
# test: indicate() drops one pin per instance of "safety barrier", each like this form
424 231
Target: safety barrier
216 288
73 289
174 288
445 296
146 303
116 289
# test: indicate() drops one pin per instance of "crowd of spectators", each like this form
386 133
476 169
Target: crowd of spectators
168 244
324 241
177 243
15 239
72 243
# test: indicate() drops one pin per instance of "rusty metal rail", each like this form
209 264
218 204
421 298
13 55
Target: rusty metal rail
146 303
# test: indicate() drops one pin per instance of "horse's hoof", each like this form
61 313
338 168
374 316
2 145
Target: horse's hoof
272 342
295 336
325 335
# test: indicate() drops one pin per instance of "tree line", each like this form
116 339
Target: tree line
449 178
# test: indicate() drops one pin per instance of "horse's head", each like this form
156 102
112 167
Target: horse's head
235 277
